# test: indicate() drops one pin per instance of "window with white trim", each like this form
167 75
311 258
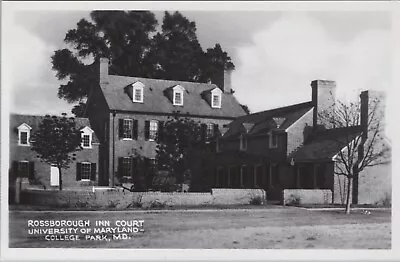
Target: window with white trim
177 95
126 168
216 101
210 130
24 133
85 141
86 137
86 170
137 92
178 98
127 126
153 130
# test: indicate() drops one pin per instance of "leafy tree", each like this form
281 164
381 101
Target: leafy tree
214 62
124 37
56 140
130 40
360 150
181 137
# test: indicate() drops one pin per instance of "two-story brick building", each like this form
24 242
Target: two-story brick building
24 163
128 114
282 148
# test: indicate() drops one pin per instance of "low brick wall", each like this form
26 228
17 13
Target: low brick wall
237 196
307 196
118 198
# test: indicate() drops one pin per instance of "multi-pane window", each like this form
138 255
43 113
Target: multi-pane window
138 95
126 168
178 98
85 171
23 134
153 130
23 138
86 141
127 126
216 101
210 130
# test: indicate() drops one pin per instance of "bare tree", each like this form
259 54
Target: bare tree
361 139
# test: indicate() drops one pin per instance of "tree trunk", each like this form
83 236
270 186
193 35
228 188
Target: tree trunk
349 180
59 179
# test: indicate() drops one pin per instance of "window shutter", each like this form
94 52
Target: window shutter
15 169
146 129
78 171
135 129
203 130
119 166
31 174
93 172
121 128
216 130
160 135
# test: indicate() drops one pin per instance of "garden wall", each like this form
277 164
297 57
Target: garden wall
307 196
118 198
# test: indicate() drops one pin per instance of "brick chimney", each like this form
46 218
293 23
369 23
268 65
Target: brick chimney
224 81
323 98
227 88
372 100
104 63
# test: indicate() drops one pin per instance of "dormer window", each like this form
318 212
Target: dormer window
24 133
216 98
137 92
87 137
178 95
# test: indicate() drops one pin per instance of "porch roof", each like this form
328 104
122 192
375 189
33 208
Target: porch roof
325 144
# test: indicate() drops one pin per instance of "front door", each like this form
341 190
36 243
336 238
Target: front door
54 176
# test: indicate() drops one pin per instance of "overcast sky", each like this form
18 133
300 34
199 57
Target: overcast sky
277 54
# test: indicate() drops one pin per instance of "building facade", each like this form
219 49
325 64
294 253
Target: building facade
128 115
291 148
25 164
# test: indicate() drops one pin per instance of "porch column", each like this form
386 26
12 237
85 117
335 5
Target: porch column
255 176
314 176
297 174
270 175
241 176
229 177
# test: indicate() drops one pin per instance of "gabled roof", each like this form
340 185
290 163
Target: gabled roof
267 120
34 121
155 100
325 144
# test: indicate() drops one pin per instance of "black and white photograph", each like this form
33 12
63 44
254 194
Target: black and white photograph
204 127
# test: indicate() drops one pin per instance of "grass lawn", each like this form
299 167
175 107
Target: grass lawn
284 227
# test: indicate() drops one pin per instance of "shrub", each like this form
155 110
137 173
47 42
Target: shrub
136 203
81 204
293 200
256 200
112 204
157 204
